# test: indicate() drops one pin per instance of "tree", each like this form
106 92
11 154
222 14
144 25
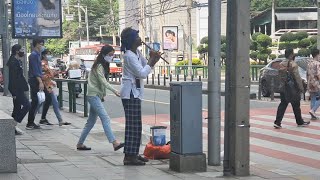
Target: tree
261 5
264 40
304 52
304 43
301 35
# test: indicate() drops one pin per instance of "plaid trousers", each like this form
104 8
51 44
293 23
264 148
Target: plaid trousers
132 109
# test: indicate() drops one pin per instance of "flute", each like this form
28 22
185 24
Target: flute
153 50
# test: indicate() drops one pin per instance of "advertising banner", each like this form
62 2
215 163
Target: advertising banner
36 18
170 37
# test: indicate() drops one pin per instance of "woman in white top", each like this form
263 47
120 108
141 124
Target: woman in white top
135 69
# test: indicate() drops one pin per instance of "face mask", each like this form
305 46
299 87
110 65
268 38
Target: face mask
21 54
49 57
108 58
42 48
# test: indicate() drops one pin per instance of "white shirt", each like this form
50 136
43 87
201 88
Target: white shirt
134 66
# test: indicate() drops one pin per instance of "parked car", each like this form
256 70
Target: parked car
271 71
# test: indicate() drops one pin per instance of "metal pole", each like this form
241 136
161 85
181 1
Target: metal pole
318 39
87 24
214 83
190 37
237 112
273 20
5 47
79 28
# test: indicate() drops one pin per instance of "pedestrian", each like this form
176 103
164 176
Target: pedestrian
49 84
288 65
135 69
35 81
47 76
97 86
18 85
313 80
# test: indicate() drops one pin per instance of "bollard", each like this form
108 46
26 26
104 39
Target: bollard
170 78
177 77
272 89
152 79
60 96
85 103
159 79
74 99
164 80
259 89
70 96
184 77
200 78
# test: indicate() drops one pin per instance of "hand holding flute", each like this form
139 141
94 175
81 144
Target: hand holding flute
154 54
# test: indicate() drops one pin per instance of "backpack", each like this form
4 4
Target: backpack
289 85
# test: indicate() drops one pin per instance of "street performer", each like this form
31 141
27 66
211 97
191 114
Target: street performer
135 69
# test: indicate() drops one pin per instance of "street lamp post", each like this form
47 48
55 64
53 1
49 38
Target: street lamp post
85 10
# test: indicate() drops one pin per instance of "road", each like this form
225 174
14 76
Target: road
156 102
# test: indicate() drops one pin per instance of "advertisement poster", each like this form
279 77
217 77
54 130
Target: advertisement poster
170 37
36 18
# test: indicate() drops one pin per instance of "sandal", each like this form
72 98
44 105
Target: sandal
121 145
84 148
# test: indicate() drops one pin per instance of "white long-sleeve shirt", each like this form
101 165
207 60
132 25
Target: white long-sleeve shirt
134 66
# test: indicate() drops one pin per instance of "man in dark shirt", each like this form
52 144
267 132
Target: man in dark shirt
35 82
18 85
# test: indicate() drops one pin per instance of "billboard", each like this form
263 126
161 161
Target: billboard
36 18
170 37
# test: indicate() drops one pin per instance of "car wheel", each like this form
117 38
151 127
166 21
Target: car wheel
264 89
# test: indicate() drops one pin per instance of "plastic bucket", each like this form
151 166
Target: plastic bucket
158 135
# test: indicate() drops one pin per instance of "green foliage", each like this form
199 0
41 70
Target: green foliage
254 55
195 61
223 39
263 57
287 37
204 40
313 39
223 55
255 35
224 47
201 49
261 5
312 47
304 43
304 52
285 45
254 46
301 35
272 56
264 40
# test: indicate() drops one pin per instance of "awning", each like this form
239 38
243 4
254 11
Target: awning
297 16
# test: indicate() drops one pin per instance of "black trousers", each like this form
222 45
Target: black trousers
46 104
282 109
21 106
34 89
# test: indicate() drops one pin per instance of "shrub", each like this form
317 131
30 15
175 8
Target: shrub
287 37
223 39
264 40
301 35
255 35
224 47
312 47
272 56
262 57
195 61
254 55
253 45
204 40
304 52
201 49
313 39
304 43
286 45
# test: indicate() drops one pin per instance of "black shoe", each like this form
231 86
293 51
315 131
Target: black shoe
45 122
277 126
304 124
133 161
32 126
143 159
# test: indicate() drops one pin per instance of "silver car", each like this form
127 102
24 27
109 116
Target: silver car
271 71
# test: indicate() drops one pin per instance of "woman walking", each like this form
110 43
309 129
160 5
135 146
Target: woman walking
135 69
97 85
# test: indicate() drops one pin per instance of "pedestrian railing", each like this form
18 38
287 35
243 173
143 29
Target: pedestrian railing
72 94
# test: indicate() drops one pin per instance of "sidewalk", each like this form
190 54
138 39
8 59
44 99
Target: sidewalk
50 153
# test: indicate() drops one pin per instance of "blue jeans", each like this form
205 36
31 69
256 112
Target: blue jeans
314 103
97 109
55 106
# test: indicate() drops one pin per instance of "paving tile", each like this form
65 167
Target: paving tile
9 176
